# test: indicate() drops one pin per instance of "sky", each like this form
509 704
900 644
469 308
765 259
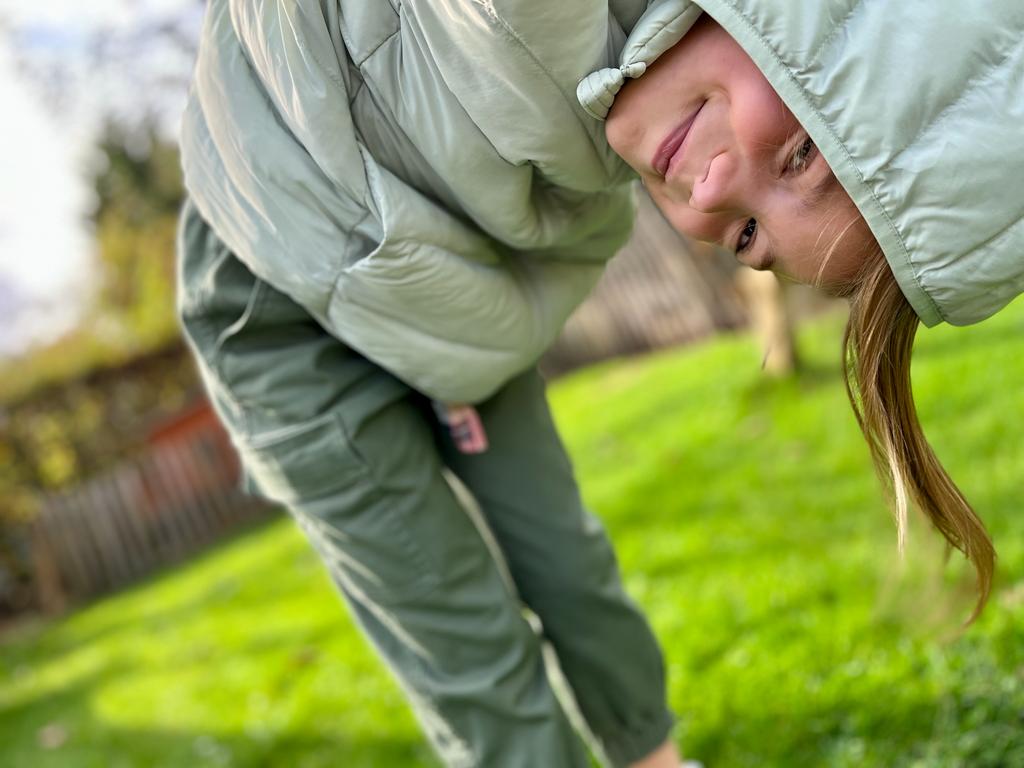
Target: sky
47 136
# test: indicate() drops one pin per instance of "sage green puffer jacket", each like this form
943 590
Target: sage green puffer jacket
417 174
918 106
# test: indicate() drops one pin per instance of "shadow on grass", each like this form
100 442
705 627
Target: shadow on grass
61 729
810 375
59 642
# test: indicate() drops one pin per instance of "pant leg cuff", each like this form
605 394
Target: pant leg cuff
631 746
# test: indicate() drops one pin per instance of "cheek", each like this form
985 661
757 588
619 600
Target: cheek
761 119
835 254
851 246
621 131
709 228
626 125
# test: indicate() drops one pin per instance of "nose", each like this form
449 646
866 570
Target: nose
723 186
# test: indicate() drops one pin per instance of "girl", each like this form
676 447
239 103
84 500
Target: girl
871 148
392 203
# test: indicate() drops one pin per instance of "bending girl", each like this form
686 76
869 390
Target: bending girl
393 203
398 203
872 148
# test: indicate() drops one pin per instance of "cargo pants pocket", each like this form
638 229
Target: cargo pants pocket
317 472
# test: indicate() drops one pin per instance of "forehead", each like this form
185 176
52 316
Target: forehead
822 244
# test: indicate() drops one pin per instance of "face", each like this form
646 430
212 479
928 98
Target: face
727 162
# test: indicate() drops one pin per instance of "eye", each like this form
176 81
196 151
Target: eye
746 236
802 156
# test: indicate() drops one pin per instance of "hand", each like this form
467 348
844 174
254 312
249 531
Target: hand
467 430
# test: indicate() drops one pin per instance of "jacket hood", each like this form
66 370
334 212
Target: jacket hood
917 106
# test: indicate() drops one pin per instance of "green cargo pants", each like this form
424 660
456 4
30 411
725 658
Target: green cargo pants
357 456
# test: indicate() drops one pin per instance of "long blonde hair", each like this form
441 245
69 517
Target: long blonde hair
877 348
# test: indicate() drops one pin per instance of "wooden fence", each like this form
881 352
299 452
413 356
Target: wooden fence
119 526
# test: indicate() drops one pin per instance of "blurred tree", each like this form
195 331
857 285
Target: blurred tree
131 63
138 194
117 82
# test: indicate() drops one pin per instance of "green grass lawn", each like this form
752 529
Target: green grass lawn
749 526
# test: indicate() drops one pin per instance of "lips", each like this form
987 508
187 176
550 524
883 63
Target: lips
666 152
